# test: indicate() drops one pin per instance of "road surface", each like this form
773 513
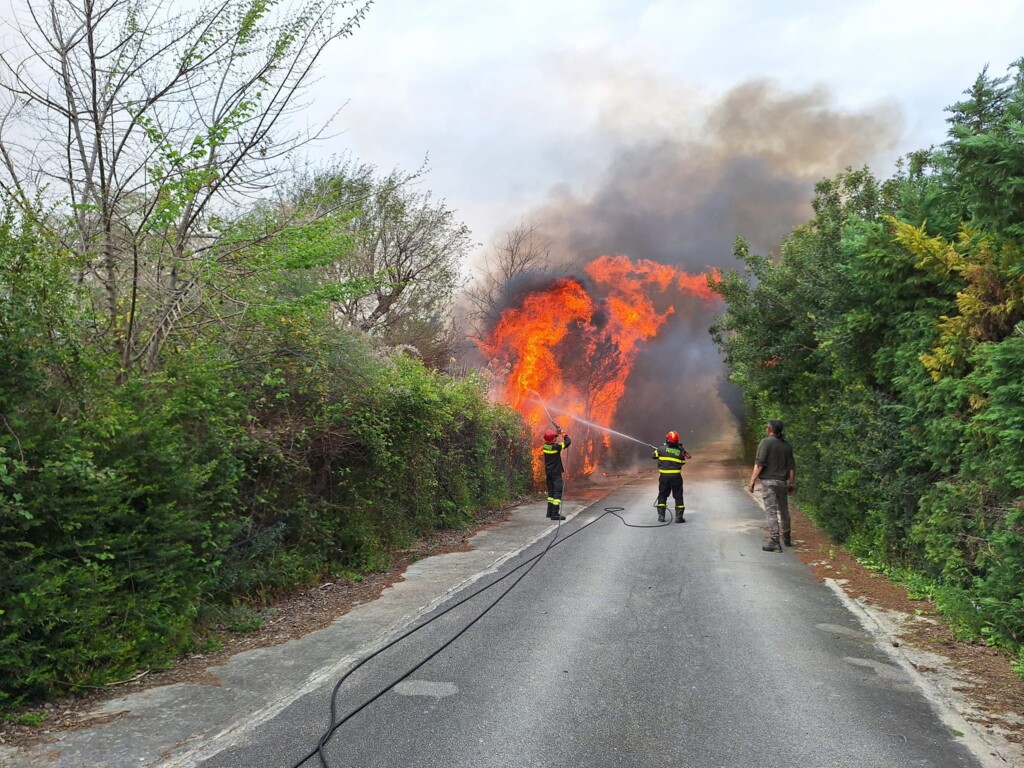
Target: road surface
679 645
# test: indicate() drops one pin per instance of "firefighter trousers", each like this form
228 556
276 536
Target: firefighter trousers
555 488
670 483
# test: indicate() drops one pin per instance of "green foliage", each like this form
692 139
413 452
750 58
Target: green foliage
31 718
409 244
888 336
986 150
384 451
189 424
117 536
270 451
225 482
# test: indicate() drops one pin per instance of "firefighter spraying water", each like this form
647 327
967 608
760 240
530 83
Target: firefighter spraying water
611 431
587 422
670 457
553 470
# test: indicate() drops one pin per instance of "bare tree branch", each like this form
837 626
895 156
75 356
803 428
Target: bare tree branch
520 251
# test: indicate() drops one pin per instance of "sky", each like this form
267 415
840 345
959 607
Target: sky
517 103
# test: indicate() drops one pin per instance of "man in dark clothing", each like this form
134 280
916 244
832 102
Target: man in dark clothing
670 457
776 468
553 470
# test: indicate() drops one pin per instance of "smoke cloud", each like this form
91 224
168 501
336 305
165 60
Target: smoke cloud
682 198
750 172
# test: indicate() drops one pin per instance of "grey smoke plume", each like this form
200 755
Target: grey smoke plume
749 172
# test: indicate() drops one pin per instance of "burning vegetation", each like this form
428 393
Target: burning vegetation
623 341
568 346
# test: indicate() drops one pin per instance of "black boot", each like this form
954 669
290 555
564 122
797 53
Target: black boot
661 514
772 546
679 514
787 539
554 512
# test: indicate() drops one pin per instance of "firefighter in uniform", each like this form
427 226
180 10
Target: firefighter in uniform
670 457
553 470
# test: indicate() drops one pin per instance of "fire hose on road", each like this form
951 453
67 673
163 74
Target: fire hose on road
335 723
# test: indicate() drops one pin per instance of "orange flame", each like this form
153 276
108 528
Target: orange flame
556 347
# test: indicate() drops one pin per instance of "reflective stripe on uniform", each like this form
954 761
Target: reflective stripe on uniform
670 458
671 471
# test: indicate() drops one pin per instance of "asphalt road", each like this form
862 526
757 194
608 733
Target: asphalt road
678 645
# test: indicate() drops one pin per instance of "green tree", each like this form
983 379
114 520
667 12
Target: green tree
144 126
409 244
887 336
986 151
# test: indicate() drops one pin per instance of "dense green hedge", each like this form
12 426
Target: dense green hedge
259 459
889 337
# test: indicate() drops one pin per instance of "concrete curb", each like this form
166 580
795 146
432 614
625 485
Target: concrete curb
992 751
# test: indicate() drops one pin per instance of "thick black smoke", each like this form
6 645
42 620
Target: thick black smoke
684 202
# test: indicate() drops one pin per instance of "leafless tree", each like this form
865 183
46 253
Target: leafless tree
144 129
521 250
415 245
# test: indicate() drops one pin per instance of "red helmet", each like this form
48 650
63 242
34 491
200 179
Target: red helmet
672 437
550 436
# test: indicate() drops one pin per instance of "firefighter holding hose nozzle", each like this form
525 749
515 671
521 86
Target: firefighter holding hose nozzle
670 457
553 470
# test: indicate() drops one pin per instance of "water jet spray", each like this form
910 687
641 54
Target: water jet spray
601 427
542 405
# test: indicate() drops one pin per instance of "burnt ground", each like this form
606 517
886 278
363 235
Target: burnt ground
989 691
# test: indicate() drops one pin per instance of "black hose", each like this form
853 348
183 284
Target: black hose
335 723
